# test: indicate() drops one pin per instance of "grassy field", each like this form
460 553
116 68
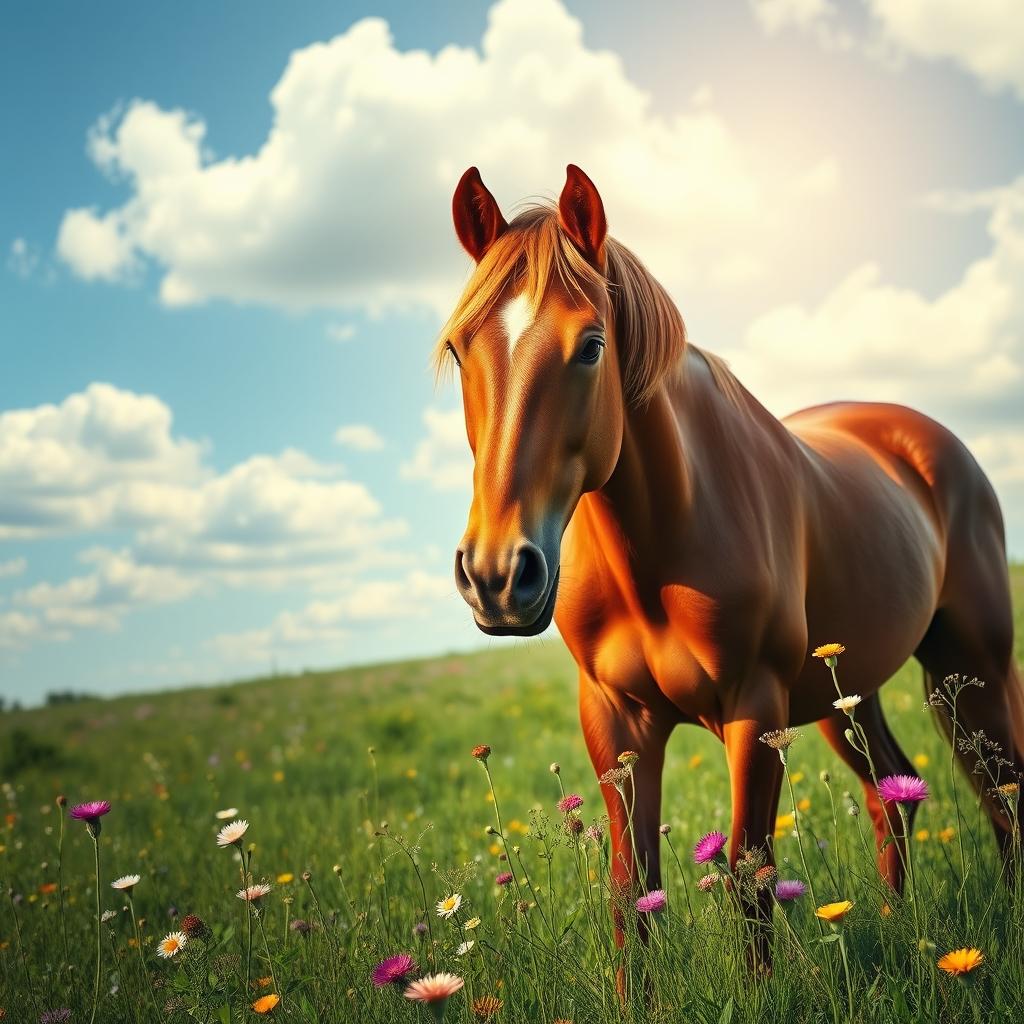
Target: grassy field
316 763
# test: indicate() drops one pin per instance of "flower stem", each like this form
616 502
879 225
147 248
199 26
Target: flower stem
99 937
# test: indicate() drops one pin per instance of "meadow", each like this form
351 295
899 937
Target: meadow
366 808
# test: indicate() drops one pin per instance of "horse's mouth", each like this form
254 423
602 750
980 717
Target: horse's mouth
538 625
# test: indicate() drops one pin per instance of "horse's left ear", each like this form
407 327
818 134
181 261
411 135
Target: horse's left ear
581 214
478 220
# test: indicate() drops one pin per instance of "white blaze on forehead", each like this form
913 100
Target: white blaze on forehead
517 316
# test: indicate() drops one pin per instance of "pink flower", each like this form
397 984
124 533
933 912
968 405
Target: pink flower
434 988
394 970
93 810
903 789
570 802
651 903
789 889
504 878
709 847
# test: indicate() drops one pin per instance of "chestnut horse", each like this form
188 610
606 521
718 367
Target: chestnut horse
690 545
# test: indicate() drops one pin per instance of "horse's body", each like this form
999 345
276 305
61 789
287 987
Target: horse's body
707 545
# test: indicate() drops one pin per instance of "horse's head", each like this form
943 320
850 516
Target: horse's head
547 337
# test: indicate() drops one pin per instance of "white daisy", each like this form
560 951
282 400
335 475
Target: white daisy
464 947
231 834
126 882
171 944
228 812
846 704
449 905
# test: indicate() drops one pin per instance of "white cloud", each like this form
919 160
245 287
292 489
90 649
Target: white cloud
442 458
18 629
329 621
360 436
13 567
101 598
347 202
341 332
774 15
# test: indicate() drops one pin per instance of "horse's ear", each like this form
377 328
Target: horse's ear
581 214
478 221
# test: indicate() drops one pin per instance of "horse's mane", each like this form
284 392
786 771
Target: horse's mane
649 330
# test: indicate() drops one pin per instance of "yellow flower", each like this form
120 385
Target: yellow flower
922 835
279 776
264 982
285 877
266 1003
804 805
410 773
886 910
628 758
947 835
1009 788
449 905
473 922
695 761
828 650
961 961
494 849
834 912
796 777
921 760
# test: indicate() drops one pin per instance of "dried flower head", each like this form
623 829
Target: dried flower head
780 739
664 829
707 882
614 777
481 752
628 758
486 1007
194 926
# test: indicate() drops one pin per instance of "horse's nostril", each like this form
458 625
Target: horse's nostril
462 580
530 574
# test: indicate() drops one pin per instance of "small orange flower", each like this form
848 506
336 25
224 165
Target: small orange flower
47 887
266 1003
961 961
485 1007
834 912
481 752
828 651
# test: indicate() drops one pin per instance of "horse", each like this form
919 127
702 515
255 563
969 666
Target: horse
690 546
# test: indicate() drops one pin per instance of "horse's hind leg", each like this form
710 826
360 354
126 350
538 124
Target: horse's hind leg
974 638
888 759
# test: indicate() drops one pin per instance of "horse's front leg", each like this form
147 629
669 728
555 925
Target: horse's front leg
755 770
612 726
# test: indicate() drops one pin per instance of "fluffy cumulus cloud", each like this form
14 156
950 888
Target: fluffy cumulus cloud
331 210
359 436
328 622
442 458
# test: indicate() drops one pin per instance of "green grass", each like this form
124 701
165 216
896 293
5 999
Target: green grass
292 754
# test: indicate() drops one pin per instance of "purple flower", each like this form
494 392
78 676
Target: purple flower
419 929
651 903
708 847
301 926
570 802
91 811
504 878
789 889
55 1016
594 834
903 789
394 970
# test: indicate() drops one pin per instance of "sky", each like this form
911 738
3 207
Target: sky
226 249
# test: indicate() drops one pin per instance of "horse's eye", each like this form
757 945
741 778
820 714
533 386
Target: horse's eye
591 351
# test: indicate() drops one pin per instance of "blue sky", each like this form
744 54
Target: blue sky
225 237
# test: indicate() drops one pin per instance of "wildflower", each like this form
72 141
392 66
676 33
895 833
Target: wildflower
485 1007
614 777
789 889
194 926
47 888
708 847
961 961
921 760
464 947
434 988
834 912
554 768
652 902
126 883
828 652
695 761
922 835
522 907
664 829
573 824
946 835
708 882
55 1016
763 877
903 789
300 926
568 803
91 812
628 758
473 922
847 704
1008 789
231 835
419 929
171 944
107 915
254 893
780 739
266 1003
594 834
395 970
504 878
449 905
285 877
481 753
227 814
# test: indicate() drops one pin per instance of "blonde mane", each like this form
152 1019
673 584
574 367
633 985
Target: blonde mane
649 330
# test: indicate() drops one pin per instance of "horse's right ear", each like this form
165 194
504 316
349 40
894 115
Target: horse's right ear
478 221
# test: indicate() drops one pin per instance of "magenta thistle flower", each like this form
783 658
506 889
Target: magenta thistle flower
652 902
789 889
92 811
394 971
504 878
570 802
903 789
708 847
